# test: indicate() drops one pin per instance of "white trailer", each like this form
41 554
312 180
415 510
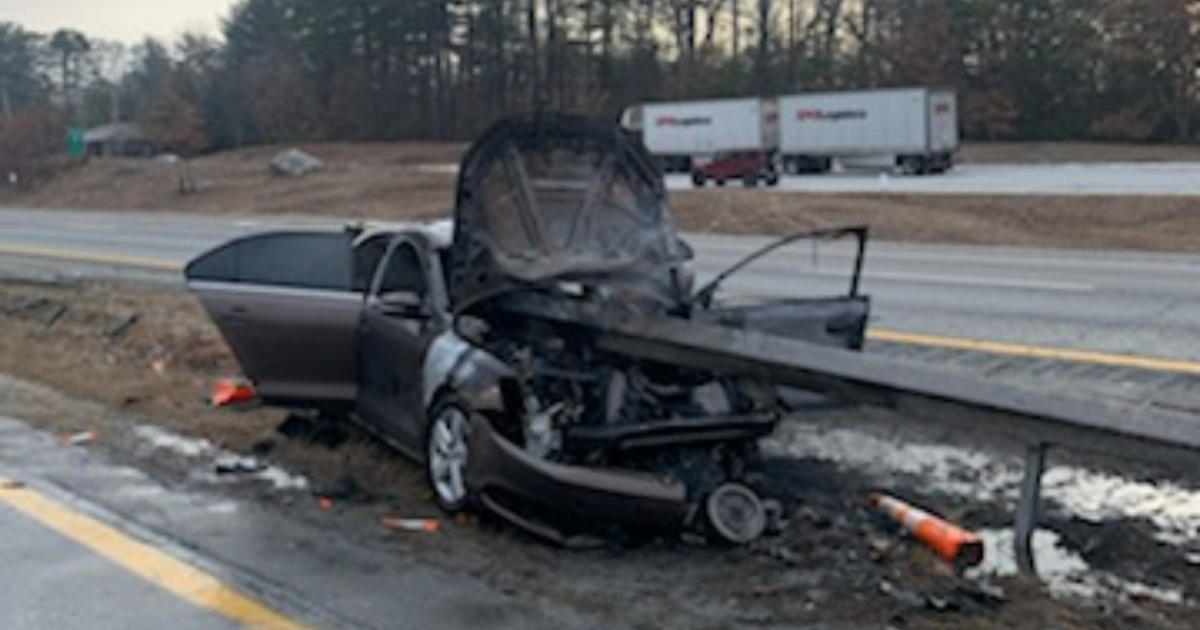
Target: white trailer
915 129
685 132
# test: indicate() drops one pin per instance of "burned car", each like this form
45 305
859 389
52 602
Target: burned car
472 345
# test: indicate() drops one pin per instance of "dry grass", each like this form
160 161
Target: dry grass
162 369
358 180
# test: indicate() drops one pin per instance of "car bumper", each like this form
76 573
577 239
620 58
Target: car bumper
550 499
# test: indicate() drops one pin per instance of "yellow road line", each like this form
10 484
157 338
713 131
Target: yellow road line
90 257
173 575
1039 352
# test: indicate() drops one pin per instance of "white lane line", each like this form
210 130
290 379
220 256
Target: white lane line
89 227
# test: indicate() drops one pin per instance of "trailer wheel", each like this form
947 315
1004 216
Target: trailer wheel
749 180
698 179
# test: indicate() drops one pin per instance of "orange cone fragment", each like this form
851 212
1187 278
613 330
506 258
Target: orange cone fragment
953 543
412 524
75 439
231 391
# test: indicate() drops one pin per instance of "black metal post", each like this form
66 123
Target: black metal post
1028 508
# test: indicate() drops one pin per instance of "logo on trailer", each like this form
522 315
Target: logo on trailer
675 121
831 115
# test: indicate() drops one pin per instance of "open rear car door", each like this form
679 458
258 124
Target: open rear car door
287 303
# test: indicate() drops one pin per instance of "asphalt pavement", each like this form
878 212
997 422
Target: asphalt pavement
89 544
1109 178
1115 302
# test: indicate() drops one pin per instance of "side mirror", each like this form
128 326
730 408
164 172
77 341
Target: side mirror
407 304
688 252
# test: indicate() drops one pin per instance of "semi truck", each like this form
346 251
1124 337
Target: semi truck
914 129
686 136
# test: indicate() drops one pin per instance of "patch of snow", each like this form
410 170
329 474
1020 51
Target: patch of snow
242 467
160 438
281 479
1172 509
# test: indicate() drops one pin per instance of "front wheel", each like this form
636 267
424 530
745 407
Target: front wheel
447 453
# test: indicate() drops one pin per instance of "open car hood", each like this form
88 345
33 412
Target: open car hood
552 198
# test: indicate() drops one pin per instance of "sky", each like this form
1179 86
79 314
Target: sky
127 21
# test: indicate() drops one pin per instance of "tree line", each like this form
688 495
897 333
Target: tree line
289 70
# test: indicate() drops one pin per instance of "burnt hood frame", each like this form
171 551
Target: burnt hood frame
553 197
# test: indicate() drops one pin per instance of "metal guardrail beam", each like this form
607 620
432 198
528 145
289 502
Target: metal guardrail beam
1037 419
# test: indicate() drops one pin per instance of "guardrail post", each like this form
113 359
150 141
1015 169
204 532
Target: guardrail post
1028 507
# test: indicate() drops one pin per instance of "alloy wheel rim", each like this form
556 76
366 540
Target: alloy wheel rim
448 455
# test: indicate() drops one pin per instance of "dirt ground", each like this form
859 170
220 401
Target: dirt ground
409 181
147 354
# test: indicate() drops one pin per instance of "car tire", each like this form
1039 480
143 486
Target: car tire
698 180
772 178
447 453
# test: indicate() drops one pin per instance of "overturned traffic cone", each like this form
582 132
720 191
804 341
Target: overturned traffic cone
231 391
953 543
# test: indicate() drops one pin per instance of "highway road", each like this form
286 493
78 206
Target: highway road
1124 303
83 533
1110 178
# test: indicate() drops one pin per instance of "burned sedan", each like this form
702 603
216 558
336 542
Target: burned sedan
471 346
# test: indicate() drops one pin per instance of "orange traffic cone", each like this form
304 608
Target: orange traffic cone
954 544
229 391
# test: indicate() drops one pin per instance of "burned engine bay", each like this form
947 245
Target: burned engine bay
562 223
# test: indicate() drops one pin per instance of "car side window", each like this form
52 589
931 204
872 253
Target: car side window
403 272
311 260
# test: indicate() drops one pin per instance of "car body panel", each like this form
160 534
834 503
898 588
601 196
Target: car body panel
285 303
557 197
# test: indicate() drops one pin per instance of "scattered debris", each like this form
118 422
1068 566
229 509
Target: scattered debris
295 163
76 439
412 524
233 391
325 503
122 326
234 464
954 544
159 367
56 314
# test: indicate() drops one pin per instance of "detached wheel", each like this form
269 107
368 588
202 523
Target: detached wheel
698 179
447 452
